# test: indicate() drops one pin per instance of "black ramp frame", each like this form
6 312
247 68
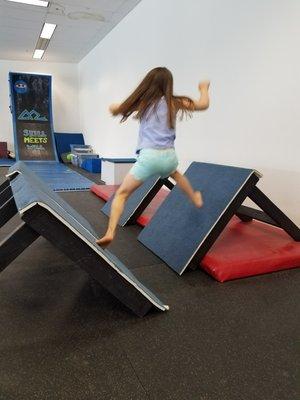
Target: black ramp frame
8 210
274 213
46 214
15 243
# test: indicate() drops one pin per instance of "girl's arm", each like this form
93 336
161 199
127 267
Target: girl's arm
197 105
203 102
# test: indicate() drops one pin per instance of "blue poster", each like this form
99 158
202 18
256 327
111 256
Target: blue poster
32 117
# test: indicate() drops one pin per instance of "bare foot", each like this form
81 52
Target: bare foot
105 240
198 201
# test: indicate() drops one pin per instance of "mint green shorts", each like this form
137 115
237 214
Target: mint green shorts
150 162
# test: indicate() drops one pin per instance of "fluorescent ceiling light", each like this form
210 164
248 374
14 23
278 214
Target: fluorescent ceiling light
38 53
47 30
40 3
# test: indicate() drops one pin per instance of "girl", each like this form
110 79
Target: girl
156 107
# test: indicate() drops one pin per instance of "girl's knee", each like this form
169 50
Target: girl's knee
122 192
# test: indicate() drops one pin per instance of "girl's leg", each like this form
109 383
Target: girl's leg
186 187
129 185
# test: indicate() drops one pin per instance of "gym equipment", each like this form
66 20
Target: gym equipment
64 140
33 131
251 248
115 169
92 165
135 212
45 213
32 117
181 235
242 249
105 192
137 202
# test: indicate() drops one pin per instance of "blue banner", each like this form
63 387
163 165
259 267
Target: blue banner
32 117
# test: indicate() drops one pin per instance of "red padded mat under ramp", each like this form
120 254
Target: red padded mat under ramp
252 248
242 250
148 213
104 191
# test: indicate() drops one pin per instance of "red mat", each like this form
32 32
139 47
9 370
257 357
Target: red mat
242 250
253 248
104 191
148 213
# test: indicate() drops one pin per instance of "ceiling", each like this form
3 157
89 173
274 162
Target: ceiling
81 24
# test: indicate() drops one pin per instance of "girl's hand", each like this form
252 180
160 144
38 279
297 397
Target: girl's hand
113 108
204 85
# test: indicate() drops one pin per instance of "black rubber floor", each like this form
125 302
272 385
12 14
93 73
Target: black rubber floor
60 341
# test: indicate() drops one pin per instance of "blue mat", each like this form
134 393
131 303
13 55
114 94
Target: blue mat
59 177
64 140
178 229
6 162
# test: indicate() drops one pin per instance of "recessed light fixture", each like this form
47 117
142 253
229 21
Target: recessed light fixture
47 30
44 40
38 53
39 3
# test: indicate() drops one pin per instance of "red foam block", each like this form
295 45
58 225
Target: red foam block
149 211
104 191
253 248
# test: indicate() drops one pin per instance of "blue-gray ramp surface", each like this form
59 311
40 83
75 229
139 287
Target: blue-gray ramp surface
178 230
59 177
41 208
137 202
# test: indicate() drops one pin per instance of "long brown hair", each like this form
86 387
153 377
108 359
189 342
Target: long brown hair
157 83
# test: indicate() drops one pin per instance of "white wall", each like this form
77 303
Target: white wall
64 95
249 50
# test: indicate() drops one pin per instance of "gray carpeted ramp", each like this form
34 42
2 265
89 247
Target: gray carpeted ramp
45 213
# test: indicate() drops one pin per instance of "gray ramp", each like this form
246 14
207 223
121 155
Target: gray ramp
50 216
38 187
137 202
179 232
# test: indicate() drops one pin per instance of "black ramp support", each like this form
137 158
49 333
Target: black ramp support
5 195
259 198
78 251
168 184
7 211
247 214
4 185
14 244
